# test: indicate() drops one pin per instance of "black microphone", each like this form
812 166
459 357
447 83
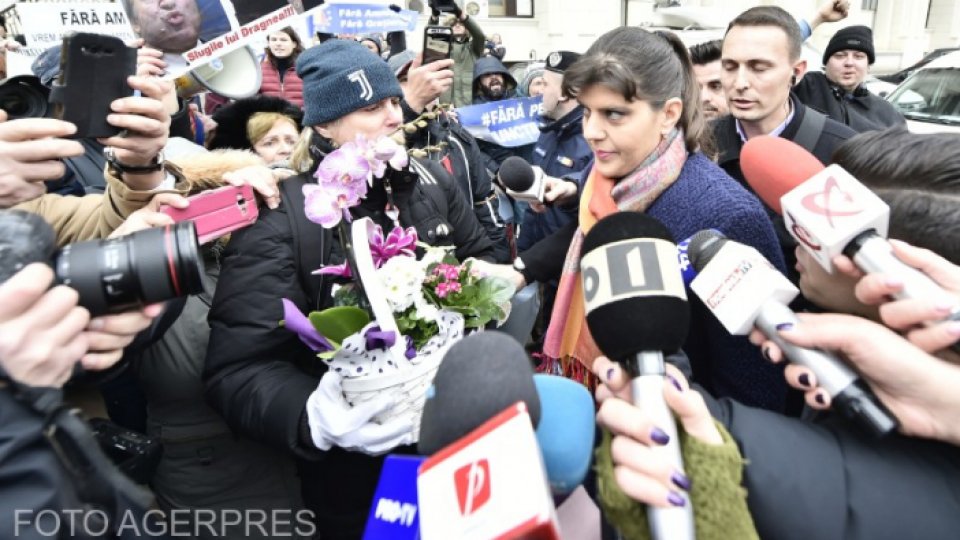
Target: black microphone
637 310
742 289
25 238
520 180
480 376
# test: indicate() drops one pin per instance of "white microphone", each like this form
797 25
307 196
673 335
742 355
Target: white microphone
830 212
522 182
742 289
490 483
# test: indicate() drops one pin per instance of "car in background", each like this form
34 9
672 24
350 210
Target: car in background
878 86
930 98
900 76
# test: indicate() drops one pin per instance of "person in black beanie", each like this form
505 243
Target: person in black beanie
838 91
266 383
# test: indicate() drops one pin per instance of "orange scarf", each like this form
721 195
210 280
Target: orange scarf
568 334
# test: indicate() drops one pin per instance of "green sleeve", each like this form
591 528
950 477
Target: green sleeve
719 500
477 38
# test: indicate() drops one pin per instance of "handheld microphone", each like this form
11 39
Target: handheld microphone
566 431
485 476
637 310
742 289
394 512
488 484
479 376
521 181
829 212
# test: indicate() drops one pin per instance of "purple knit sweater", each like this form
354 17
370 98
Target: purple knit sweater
705 197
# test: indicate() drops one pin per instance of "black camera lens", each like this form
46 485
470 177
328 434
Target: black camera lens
119 274
24 97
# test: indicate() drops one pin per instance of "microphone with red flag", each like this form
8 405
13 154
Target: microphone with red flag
829 212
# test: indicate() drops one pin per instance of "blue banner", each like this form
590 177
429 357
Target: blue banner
509 123
355 19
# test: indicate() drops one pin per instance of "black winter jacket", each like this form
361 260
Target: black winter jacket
825 479
259 375
729 145
860 109
464 161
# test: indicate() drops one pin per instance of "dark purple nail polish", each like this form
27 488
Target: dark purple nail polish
785 326
676 499
675 382
610 374
805 381
681 481
820 399
659 436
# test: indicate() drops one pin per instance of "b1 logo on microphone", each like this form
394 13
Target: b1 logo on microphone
473 486
824 213
628 269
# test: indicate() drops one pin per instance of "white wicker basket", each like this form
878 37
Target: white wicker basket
410 383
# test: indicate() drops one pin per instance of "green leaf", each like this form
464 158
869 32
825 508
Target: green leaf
337 323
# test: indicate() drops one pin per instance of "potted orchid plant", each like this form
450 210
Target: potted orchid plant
425 304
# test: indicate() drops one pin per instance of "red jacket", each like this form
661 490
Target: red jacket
291 89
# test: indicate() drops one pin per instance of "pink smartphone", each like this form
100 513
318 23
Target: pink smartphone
217 212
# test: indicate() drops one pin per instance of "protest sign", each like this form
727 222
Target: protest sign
44 24
509 123
356 19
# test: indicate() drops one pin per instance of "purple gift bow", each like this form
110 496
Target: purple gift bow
379 339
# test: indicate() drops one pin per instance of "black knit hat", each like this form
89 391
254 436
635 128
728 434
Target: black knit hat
559 61
341 76
857 38
232 120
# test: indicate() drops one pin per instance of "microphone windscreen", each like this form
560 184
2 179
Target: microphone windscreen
566 431
480 376
633 291
704 246
774 166
516 174
24 238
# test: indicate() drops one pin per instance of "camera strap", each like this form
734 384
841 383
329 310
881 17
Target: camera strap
98 483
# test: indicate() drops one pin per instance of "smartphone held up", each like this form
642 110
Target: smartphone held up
93 73
437 43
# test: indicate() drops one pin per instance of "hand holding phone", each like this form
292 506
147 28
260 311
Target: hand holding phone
217 212
93 72
437 43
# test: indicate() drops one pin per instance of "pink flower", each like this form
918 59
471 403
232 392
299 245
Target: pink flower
321 206
442 290
399 242
449 272
345 165
387 149
453 287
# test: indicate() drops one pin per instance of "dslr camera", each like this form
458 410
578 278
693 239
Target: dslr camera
112 275
24 97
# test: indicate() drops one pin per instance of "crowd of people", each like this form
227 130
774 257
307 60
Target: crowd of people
246 417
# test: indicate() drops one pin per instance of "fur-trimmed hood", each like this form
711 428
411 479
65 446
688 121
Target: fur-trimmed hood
205 170
232 120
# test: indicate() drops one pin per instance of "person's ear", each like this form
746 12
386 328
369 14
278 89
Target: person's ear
324 131
799 69
672 110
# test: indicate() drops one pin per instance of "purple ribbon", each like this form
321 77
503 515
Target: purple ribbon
298 323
